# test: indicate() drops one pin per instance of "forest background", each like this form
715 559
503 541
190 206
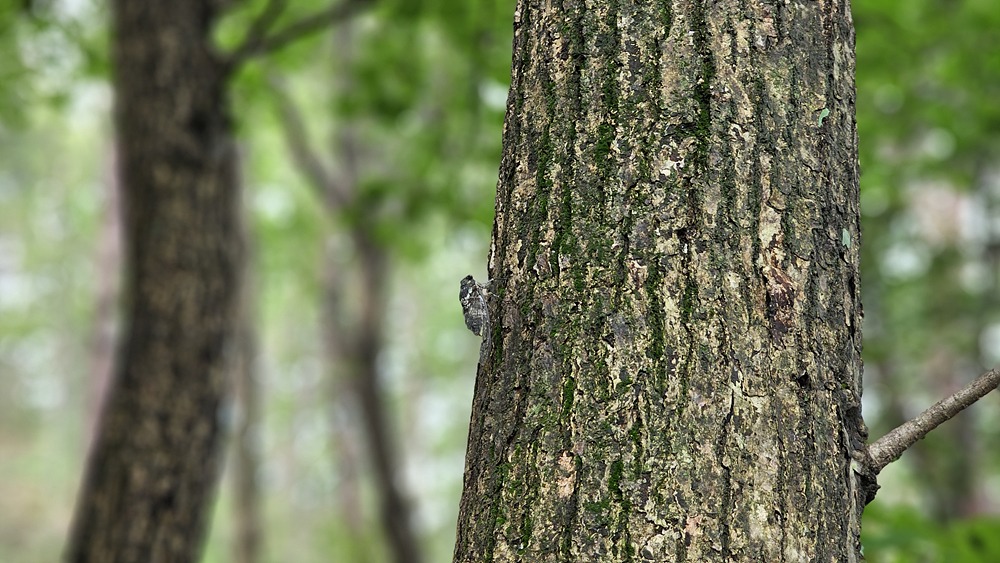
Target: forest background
406 98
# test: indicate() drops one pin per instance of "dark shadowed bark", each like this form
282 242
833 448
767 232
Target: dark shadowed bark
154 465
672 370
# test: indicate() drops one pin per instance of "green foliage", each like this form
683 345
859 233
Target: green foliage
426 115
927 121
928 67
425 97
928 77
904 534
14 73
46 50
49 218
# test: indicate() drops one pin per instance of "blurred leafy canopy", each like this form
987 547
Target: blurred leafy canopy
423 90
928 81
901 534
46 49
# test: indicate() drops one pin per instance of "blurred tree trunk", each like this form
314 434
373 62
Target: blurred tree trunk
975 500
155 462
344 432
367 339
108 266
246 459
338 322
356 329
673 369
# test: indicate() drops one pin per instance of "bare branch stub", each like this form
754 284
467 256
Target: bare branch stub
888 448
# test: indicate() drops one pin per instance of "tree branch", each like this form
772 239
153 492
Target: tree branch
259 42
330 192
888 448
259 28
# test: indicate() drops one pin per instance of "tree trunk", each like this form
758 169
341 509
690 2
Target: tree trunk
108 266
672 370
246 456
154 465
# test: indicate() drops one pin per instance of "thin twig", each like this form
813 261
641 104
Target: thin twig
260 43
259 28
888 448
306 157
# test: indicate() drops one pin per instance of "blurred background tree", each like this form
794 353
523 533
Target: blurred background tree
929 127
400 108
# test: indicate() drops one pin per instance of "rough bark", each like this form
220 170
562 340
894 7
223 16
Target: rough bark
154 465
673 368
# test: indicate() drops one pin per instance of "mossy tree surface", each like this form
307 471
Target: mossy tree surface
672 371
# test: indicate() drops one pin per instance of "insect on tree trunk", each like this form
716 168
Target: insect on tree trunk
672 368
